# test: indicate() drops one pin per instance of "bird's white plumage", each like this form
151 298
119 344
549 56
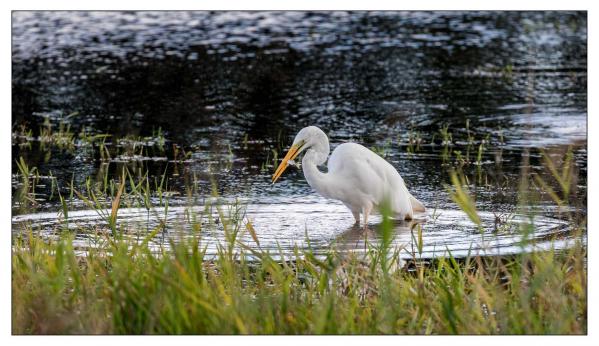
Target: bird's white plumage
365 180
356 176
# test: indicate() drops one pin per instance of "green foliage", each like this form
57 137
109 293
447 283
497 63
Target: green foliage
382 151
460 195
128 286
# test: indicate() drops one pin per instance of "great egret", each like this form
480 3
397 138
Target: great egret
356 176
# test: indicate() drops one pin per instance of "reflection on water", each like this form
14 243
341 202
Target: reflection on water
321 225
213 98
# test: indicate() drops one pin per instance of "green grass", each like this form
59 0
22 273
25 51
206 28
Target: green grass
123 288
125 285
58 134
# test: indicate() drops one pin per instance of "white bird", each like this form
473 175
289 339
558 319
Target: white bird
356 176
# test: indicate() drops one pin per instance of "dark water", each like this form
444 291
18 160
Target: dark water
228 88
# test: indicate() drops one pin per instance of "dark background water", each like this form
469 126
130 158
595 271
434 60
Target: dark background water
230 87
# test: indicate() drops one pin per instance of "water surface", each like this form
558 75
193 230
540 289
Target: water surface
231 89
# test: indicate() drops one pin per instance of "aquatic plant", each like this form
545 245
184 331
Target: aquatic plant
64 138
126 287
460 195
29 178
446 135
414 140
128 280
382 150
58 134
151 284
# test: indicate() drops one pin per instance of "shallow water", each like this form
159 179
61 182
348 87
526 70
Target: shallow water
231 88
320 226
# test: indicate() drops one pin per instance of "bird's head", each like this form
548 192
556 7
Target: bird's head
310 137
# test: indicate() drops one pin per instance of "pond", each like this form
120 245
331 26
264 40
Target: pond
204 104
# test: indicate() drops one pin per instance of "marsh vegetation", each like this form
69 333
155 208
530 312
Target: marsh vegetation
143 149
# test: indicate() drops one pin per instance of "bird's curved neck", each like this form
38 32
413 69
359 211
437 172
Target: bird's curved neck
318 180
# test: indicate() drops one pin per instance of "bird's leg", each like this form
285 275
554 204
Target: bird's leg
366 211
356 216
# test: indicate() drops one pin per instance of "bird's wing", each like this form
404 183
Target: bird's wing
397 191
370 176
356 176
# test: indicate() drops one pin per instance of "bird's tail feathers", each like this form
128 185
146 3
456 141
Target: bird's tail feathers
416 205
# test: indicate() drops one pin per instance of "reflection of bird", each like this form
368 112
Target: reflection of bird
355 237
356 176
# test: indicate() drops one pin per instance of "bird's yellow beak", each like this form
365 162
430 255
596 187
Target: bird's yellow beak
291 154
